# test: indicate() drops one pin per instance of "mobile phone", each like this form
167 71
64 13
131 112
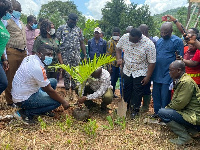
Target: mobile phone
164 18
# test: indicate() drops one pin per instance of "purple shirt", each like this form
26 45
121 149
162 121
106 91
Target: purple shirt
30 38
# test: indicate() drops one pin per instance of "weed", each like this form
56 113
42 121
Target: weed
43 124
68 121
121 122
91 127
111 123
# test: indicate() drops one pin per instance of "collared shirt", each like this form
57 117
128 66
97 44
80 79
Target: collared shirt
70 44
28 79
137 56
100 85
98 48
186 99
165 55
30 38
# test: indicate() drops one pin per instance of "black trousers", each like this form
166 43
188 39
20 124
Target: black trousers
133 91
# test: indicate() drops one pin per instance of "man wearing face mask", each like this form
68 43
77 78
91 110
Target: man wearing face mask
166 48
31 32
139 63
71 41
113 68
32 91
15 48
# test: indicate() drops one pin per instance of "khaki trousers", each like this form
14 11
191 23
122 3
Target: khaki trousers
15 58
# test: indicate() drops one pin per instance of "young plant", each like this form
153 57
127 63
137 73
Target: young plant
91 127
121 122
111 123
43 124
68 121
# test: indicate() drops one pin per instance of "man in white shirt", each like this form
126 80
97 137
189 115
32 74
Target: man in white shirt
31 90
139 63
97 87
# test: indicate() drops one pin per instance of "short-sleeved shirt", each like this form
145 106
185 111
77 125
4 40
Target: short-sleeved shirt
196 56
30 38
69 39
96 48
111 46
28 79
165 55
4 37
137 56
52 42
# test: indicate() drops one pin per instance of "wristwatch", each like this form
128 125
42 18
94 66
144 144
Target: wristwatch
175 21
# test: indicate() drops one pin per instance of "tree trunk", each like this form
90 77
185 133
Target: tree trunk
189 12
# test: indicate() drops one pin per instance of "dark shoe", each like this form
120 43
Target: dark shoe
146 102
134 114
20 116
155 116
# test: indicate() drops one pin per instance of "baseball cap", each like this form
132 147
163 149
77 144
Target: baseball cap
97 29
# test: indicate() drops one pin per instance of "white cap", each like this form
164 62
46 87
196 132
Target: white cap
97 29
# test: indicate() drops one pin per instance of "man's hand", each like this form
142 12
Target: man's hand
82 100
5 65
66 105
190 39
171 18
145 81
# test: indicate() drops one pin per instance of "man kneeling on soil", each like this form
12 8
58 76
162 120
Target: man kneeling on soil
32 91
97 87
182 115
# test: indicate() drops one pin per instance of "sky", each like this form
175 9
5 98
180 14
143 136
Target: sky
92 8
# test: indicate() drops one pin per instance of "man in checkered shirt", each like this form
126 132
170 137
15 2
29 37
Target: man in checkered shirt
99 86
139 63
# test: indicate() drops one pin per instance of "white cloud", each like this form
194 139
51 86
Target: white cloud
95 6
160 6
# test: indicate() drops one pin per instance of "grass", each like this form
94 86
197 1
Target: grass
63 132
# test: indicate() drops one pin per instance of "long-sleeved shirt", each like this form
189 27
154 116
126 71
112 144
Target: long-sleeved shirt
186 99
165 55
100 85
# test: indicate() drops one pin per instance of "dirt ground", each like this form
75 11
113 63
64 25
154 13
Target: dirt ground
63 133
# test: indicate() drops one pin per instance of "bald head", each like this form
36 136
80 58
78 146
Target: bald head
97 73
178 64
166 30
144 29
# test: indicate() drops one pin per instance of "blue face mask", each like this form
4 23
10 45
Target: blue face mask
34 26
48 60
7 16
16 14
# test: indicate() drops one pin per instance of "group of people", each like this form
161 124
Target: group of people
26 52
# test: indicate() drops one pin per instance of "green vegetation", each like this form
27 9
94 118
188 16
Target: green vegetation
91 127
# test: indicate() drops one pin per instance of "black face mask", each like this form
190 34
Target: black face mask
71 25
166 37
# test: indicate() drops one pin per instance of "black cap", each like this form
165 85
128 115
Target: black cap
73 17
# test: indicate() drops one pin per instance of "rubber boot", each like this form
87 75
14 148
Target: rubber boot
183 136
146 102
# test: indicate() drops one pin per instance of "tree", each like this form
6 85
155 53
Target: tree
88 31
23 18
117 14
58 11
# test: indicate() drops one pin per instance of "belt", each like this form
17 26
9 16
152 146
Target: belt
194 75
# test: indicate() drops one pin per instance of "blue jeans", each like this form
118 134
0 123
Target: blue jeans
114 76
167 115
161 96
40 102
3 79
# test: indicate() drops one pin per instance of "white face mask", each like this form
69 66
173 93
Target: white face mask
52 31
115 38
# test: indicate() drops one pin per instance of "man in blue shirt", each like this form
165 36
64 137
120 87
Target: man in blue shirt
166 48
96 44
